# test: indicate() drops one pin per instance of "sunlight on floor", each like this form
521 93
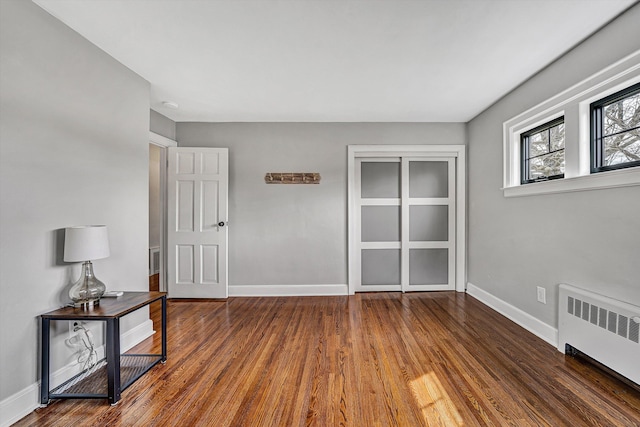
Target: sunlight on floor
437 407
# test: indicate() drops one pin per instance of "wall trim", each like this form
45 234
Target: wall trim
162 141
287 290
19 405
527 321
22 403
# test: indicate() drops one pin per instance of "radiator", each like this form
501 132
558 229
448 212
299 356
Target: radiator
154 260
603 328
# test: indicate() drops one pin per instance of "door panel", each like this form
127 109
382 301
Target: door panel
381 267
428 266
428 207
381 223
380 179
428 179
428 223
197 244
185 203
379 216
210 209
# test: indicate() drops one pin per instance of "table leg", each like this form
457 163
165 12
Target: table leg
164 329
113 360
44 361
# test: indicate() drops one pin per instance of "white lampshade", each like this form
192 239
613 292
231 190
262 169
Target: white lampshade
85 243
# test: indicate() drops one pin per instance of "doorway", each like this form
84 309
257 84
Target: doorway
155 216
406 218
158 145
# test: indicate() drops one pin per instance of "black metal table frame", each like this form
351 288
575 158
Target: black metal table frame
112 341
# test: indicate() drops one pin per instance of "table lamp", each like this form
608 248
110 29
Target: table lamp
84 243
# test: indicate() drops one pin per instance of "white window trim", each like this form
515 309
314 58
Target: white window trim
573 104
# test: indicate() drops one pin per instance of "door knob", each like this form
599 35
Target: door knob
221 224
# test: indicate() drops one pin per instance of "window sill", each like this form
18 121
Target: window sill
611 179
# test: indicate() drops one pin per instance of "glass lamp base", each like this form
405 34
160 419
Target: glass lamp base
86 304
86 292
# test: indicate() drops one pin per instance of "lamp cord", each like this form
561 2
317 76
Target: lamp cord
88 357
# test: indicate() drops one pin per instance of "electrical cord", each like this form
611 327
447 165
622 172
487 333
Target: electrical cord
87 357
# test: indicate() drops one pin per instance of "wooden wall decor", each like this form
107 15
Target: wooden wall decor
292 178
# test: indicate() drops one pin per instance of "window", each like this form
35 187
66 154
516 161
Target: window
615 131
618 83
542 150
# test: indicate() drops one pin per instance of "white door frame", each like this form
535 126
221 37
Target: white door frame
426 151
163 142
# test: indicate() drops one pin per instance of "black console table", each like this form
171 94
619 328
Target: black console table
111 375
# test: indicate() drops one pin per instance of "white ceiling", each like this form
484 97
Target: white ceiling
333 60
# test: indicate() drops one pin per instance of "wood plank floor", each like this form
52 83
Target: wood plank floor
383 359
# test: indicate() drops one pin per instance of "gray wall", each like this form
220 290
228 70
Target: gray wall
589 238
296 234
74 134
162 125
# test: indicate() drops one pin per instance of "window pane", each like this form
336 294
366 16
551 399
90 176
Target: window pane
539 143
622 115
547 165
622 148
543 149
557 137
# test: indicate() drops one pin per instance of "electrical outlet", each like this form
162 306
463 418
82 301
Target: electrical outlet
72 326
542 295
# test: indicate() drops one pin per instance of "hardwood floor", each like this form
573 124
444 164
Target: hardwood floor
154 282
383 359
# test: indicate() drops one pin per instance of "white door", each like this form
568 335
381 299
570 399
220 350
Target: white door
405 224
197 186
429 224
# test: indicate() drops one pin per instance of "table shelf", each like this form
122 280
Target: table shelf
92 383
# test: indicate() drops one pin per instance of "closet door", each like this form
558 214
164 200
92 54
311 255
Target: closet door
405 211
428 218
378 192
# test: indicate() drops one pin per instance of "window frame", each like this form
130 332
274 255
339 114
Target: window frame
524 150
596 127
572 103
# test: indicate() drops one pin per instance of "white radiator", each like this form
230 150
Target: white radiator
154 260
603 328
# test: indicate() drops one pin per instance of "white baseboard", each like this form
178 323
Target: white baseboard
527 321
286 290
136 335
21 404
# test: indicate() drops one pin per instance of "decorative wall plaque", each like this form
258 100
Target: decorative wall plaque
292 178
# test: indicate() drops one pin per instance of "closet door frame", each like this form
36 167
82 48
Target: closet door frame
355 152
